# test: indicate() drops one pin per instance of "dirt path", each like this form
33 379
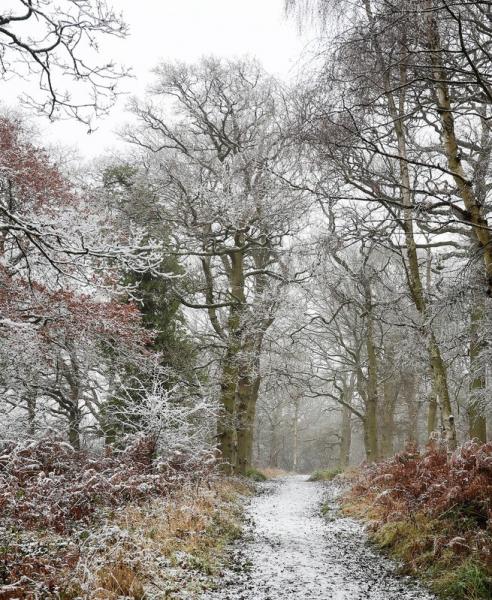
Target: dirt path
293 553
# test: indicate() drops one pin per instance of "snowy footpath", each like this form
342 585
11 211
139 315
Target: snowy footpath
292 552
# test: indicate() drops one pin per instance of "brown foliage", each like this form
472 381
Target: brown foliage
455 490
48 484
49 490
432 482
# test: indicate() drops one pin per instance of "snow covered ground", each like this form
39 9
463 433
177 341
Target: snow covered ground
293 553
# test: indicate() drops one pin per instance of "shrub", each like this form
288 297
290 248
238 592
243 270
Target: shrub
46 483
434 511
433 482
52 498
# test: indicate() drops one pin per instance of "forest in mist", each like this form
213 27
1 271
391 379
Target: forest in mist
279 274
310 262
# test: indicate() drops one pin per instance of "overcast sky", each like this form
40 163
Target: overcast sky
185 30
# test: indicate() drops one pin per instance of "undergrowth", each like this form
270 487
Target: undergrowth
126 524
256 474
273 472
324 474
433 512
166 548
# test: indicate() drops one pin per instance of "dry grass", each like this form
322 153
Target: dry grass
350 473
181 522
114 581
165 545
273 473
361 508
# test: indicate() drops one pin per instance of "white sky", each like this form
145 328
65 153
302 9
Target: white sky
185 30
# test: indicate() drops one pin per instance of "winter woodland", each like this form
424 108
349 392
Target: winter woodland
286 274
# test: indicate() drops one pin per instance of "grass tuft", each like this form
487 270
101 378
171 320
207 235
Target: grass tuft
324 474
470 580
256 474
118 580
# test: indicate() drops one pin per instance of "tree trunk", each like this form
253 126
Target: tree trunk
474 211
275 417
477 422
477 425
432 412
409 389
438 367
370 440
245 446
390 396
74 420
440 376
398 114
72 375
227 423
295 450
371 416
346 438
246 399
226 433
274 449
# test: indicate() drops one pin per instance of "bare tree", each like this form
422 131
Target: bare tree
55 42
215 164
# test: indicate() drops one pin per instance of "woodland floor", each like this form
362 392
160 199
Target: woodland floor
293 552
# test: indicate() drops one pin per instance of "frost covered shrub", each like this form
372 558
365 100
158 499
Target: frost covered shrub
46 483
432 482
30 569
53 498
433 511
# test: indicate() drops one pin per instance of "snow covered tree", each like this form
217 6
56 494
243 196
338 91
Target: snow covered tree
217 168
60 305
54 43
